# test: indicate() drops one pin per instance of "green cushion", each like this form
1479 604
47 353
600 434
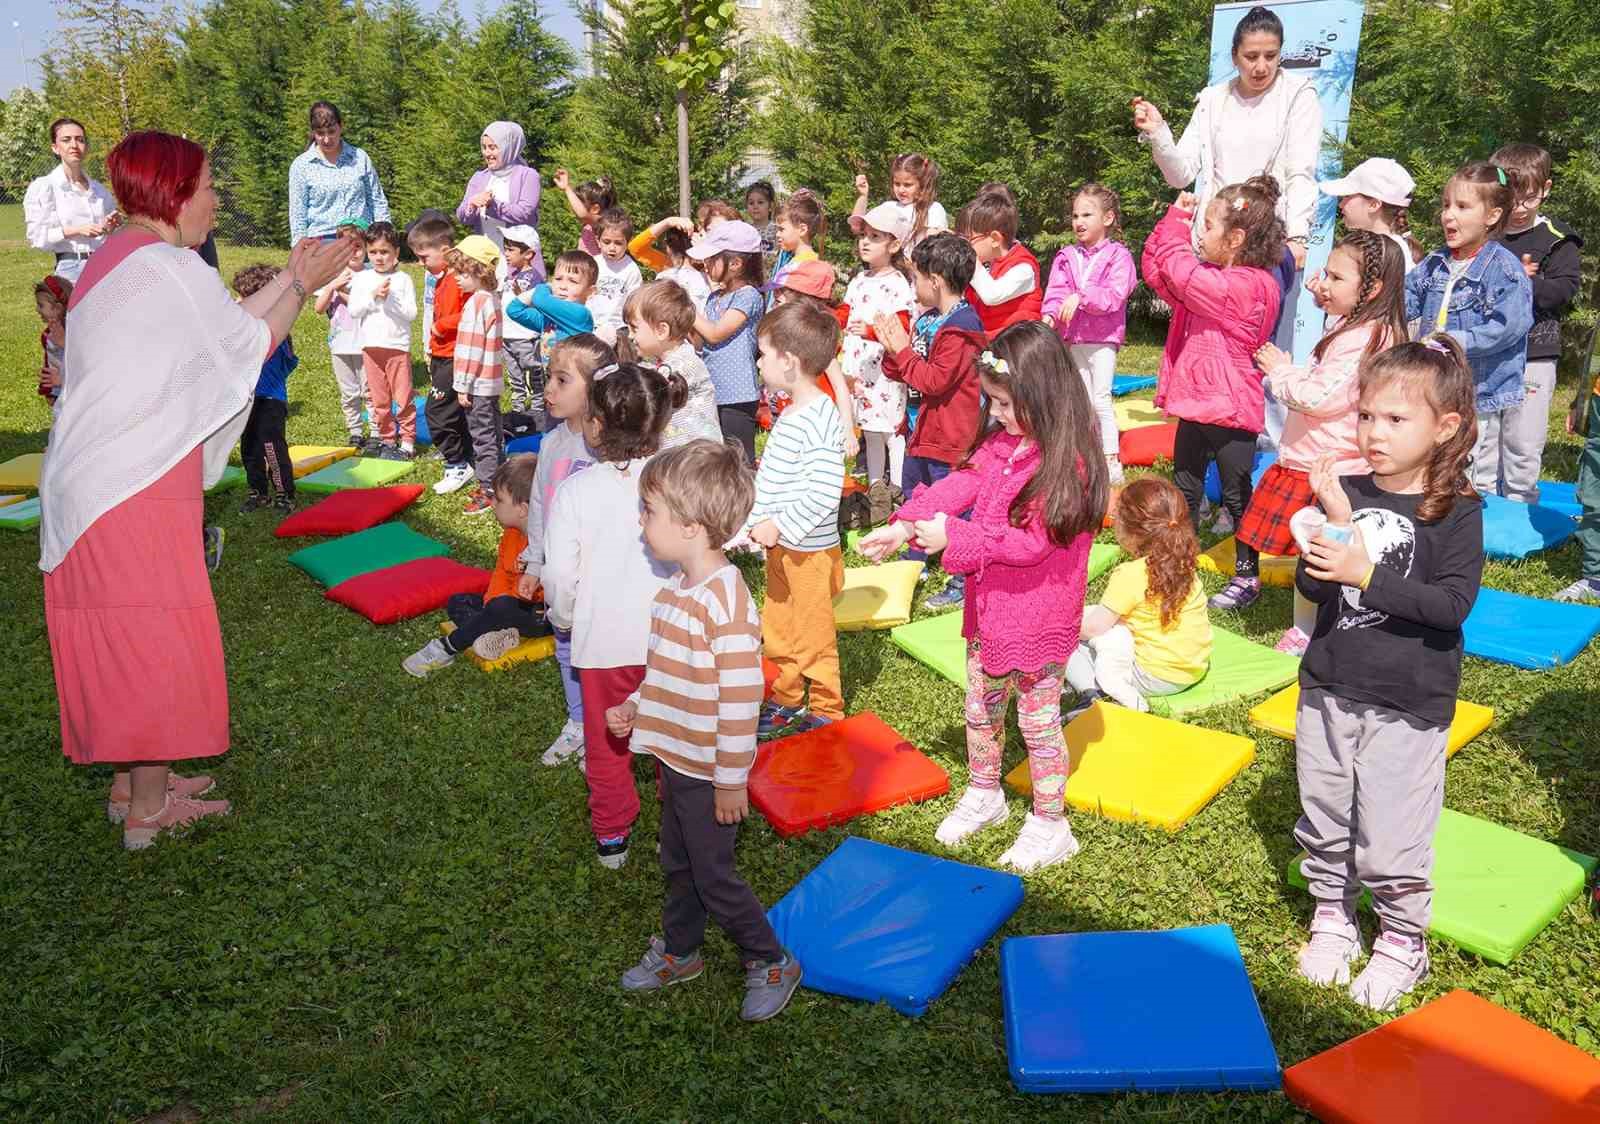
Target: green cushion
1103 556
354 472
23 516
376 548
1494 889
1240 668
231 477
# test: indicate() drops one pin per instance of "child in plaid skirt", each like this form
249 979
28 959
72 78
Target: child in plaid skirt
1363 291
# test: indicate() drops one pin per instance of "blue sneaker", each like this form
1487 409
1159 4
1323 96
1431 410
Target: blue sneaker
777 719
952 596
810 722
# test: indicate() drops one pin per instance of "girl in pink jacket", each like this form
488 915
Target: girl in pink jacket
1363 292
1224 306
1036 486
1086 301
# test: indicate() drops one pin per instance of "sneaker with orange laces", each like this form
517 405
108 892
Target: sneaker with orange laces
186 787
179 811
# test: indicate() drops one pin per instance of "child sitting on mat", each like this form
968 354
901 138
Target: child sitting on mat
696 714
1150 634
1037 485
1378 683
501 619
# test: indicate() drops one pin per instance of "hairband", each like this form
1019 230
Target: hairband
53 283
1240 202
998 366
602 372
1500 173
1434 343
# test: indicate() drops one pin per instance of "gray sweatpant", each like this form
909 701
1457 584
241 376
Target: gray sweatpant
1371 789
352 380
488 443
1524 431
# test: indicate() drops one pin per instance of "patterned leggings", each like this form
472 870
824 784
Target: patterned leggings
1038 716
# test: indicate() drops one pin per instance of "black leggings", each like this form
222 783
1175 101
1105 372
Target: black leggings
264 449
738 422
473 618
1234 450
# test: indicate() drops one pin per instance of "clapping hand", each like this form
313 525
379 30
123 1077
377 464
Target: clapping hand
891 334
314 262
881 544
1186 202
930 533
1269 356
862 186
563 179
1329 492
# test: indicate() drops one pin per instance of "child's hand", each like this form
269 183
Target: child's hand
563 179
528 586
858 328
1316 285
862 186
880 544
852 442
1146 117
1529 266
765 533
1269 356
891 334
732 804
381 292
463 401
1186 202
1048 319
1069 308
1343 562
619 718
930 533
1330 494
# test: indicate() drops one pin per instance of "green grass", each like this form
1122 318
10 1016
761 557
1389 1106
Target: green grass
404 920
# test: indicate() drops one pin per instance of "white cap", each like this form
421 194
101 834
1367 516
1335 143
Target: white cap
1381 178
521 233
892 219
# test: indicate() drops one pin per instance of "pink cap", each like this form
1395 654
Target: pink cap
886 218
814 278
733 236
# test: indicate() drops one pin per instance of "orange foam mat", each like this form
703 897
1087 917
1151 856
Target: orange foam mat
1457 1060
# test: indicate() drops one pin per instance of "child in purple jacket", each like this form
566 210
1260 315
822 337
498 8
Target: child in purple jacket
1086 301
1037 491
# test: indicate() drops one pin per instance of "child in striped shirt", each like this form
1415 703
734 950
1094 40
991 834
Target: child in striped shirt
479 373
796 518
695 712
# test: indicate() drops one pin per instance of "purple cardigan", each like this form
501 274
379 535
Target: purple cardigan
521 208
1024 593
1103 277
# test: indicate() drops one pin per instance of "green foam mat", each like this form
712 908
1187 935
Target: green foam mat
354 472
23 516
232 477
377 548
1240 668
1494 889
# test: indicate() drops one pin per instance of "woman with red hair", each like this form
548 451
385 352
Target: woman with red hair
162 370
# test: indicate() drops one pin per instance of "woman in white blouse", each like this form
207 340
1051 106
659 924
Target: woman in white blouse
67 213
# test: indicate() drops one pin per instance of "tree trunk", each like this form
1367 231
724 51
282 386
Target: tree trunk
683 152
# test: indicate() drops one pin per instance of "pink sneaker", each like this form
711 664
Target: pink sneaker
1294 642
137 834
186 787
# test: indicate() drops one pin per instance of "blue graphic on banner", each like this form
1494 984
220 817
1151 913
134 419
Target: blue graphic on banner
1320 40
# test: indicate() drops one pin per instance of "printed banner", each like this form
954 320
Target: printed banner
1320 40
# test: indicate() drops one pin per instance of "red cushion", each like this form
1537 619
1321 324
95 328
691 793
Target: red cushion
354 509
840 771
398 593
1147 444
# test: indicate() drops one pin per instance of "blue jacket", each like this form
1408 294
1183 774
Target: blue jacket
547 312
1490 314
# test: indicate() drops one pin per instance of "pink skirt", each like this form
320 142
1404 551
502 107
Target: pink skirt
134 633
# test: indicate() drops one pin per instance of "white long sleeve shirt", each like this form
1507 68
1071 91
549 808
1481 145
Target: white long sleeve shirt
385 323
52 204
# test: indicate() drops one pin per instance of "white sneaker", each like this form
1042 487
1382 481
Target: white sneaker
1224 522
1041 843
1335 943
492 645
454 479
1398 964
430 657
977 809
1114 467
567 743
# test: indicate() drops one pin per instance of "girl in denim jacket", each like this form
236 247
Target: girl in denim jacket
1476 291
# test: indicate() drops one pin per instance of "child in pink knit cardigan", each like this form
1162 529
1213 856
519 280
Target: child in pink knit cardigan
1037 485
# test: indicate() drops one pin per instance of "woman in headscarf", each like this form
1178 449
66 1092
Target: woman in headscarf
505 192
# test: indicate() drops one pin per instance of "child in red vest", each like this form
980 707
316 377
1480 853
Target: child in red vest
1005 290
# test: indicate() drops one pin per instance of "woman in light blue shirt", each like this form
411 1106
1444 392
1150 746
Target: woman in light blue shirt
331 180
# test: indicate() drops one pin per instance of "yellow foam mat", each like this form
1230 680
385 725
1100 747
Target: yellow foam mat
1276 716
6 501
309 458
536 648
876 596
1275 569
1142 768
1131 413
22 472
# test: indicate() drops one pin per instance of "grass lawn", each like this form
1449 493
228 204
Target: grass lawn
403 918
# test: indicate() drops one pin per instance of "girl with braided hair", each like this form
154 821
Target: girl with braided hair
1363 292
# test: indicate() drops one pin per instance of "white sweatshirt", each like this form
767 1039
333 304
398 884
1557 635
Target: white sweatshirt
385 323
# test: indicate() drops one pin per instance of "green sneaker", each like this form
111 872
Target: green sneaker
656 969
768 986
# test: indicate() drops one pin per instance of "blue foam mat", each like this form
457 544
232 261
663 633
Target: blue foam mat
1157 1012
875 922
1265 459
1526 631
528 444
421 401
1562 496
1130 384
1512 529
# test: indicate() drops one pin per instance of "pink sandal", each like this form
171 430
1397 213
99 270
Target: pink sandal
178 811
186 787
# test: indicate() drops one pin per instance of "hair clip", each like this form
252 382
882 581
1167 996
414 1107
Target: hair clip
1240 202
1500 173
1434 343
998 366
602 372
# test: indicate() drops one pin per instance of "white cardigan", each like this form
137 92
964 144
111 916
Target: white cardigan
1290 139
159 359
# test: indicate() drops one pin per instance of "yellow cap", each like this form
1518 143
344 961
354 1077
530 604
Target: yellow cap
480 249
